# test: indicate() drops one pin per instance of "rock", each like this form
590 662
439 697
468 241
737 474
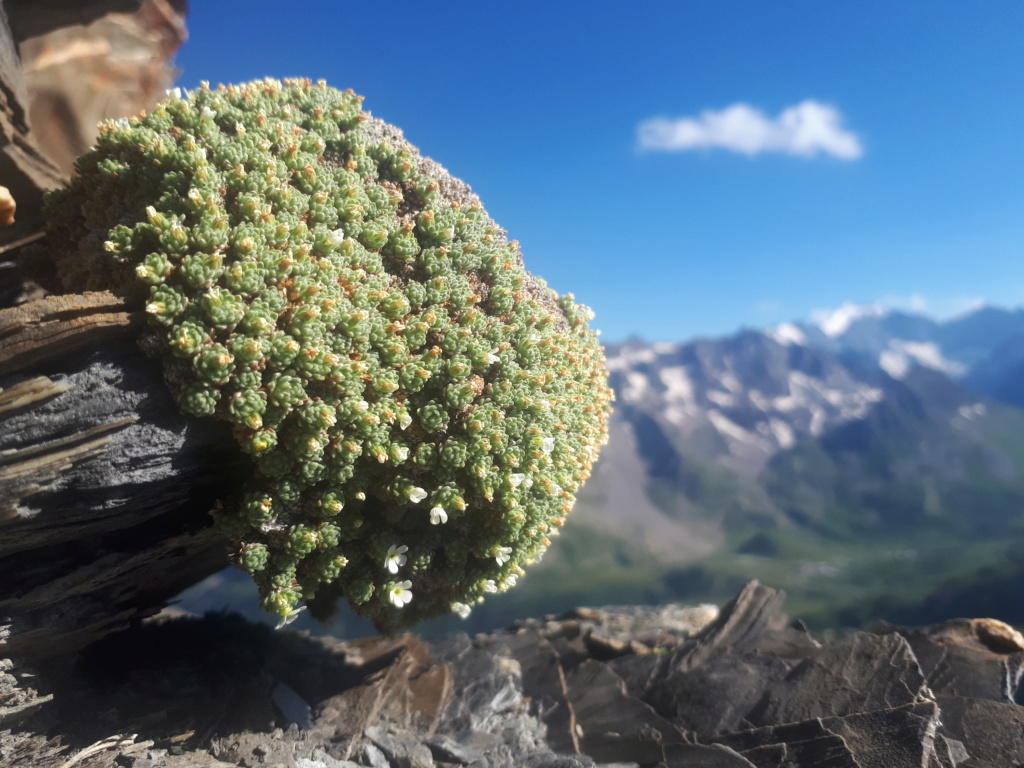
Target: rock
98 68
978 658
992 732
613 726
862 674
400 749
749 691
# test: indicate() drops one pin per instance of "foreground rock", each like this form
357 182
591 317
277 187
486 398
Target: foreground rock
638 686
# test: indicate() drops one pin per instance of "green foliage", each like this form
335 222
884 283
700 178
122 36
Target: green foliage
419 408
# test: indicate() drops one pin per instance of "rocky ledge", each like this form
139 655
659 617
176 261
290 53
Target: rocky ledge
738 688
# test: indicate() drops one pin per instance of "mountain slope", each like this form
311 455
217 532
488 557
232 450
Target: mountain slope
807 464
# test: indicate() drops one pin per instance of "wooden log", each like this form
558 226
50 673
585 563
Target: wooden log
105 489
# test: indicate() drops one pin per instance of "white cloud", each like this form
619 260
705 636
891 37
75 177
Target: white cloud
806 129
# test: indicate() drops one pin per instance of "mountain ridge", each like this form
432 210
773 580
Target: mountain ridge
811 459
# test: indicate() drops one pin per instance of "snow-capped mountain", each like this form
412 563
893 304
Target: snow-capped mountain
768 425
856 461
739 399
897 341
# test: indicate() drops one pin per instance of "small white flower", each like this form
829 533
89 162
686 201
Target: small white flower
174 93
208 113
404 420
547 444
122 124
516 479
491 358
239 129
462 609
336 237
416 495
289 618
510 581
400 594
490 586
362 406
401 453
438 516
504 555
396 557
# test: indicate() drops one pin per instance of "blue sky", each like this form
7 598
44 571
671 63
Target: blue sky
807 154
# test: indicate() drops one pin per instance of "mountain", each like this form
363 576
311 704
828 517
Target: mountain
863 459
897 340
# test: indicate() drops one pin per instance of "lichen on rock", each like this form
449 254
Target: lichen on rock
420 410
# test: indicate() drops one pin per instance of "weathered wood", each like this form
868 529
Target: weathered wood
104 488
58 325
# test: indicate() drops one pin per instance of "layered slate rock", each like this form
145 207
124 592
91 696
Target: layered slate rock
625 686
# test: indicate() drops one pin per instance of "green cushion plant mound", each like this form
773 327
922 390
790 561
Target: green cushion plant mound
419 409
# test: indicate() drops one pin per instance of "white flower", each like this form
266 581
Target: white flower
208 113
336 237
122 124
504 555
510 581
174 93
400 594
396 557
362 406
516 479
438 516
547 444
401 453
490 586
289 618
404 420
491 358
416 495
462 609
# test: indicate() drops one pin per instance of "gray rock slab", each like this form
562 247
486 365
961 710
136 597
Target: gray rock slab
860 674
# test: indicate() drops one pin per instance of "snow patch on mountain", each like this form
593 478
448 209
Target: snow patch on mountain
902 355
970 412
838 321
678 385
629 357
730 429
637 388
787 334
